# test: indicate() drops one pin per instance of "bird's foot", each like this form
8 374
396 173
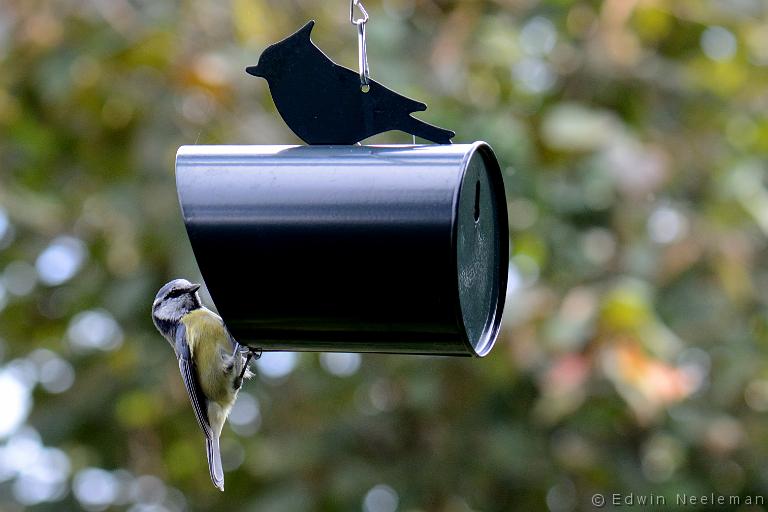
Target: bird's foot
252 354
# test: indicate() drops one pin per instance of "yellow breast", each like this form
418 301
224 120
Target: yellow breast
209 344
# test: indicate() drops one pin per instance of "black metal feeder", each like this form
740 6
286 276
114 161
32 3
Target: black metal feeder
399 249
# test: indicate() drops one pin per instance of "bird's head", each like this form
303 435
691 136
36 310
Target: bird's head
275 57
174 300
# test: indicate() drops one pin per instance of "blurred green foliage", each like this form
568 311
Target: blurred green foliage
634 137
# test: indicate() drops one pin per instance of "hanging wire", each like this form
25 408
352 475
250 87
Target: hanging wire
360 22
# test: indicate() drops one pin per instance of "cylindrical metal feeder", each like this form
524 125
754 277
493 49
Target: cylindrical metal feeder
399 249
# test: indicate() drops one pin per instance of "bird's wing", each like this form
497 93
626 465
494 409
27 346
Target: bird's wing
395 100
378 93
187 369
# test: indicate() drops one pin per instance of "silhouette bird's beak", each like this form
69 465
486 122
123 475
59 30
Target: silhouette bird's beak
254 70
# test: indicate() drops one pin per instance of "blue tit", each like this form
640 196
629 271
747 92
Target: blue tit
211 362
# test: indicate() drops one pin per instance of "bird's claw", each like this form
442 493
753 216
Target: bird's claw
252 354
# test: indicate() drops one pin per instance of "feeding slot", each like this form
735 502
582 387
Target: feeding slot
477 201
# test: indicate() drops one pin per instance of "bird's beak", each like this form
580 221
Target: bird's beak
254 70
194 288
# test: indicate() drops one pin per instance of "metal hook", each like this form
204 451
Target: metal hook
362 55
365 71
352 5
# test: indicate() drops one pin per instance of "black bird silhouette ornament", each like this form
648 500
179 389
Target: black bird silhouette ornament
324 103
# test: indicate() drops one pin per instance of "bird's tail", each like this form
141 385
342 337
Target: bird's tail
427 131
214 461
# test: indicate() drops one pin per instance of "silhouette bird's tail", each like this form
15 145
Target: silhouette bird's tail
214 461
426 131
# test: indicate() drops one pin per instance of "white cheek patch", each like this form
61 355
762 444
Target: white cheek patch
168 310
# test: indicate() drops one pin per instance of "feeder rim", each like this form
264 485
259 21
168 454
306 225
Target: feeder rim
489 337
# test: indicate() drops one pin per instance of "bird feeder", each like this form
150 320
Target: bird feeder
397 249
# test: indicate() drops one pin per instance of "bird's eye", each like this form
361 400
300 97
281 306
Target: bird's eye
174 293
